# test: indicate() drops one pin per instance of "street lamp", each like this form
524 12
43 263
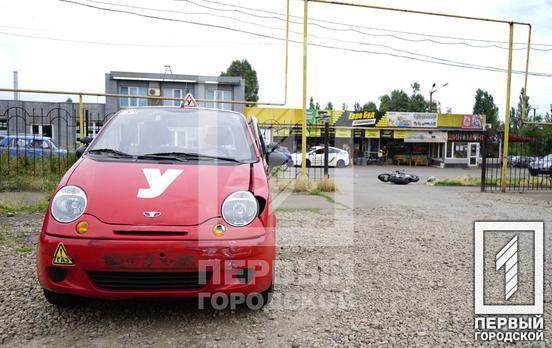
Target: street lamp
433 90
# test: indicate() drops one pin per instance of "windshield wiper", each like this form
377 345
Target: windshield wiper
185 156
113 152
171 156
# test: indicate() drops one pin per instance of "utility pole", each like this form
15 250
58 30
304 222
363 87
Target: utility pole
15 85
326 143
433 90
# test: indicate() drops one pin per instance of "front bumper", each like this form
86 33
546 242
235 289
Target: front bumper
221 264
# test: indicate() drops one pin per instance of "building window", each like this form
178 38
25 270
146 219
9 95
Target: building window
126 102
217 94
174 93
460 150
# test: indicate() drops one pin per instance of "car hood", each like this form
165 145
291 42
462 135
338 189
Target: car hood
141 193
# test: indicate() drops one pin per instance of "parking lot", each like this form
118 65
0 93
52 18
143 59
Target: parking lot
388 265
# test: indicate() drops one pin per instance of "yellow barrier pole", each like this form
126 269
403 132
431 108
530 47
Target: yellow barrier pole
507 119
523 111
304 120
287 54
81 117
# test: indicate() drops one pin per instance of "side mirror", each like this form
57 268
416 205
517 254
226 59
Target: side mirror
272 147
80 151
276 159
85 140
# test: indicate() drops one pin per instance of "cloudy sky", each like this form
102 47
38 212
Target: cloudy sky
64 45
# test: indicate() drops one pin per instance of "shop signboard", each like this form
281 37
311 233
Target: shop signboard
472 121
465 136
386 134
400 134
342 133
412 119
426 137
314 132
372 133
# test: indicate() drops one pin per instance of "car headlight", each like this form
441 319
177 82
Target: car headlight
68 204
240 208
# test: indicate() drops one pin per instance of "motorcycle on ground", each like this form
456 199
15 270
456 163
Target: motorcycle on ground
398 177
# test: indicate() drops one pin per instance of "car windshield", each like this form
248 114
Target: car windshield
193 133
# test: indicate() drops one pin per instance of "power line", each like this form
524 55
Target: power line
295 32
361 26
438 60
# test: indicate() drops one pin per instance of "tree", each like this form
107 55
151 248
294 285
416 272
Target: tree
370 106
397 101
243 68
484 105
344 106
329 106
357 107
69 100
417 101
311 104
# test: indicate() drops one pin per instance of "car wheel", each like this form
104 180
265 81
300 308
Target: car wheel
308 163
340 164
533 172
62 300
384 177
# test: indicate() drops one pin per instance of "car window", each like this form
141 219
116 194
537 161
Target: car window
206 132
16 142
319 151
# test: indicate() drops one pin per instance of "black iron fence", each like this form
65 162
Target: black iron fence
529 163
41 141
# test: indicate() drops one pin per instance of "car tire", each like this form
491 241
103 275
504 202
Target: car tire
340 164
62 300
533 172
384 177
308 163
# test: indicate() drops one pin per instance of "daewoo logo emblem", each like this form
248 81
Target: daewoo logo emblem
152 214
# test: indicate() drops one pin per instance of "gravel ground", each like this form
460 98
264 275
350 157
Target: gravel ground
392 275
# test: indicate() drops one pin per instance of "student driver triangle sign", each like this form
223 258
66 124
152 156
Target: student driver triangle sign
189 101
61 257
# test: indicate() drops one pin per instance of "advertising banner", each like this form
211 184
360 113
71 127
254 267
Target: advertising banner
342 133
472 121
426 137
412 119
372 133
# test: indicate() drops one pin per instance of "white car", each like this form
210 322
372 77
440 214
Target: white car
315 157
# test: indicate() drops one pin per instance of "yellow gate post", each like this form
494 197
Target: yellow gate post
81 117
507 117
304 120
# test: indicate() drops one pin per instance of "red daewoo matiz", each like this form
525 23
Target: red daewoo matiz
164 202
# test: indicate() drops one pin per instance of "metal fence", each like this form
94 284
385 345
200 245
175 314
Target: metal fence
529 166
41 141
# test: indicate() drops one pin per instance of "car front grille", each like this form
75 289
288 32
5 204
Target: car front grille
150 280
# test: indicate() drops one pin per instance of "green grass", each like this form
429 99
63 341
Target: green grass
24 249
476 181
7 207
40 174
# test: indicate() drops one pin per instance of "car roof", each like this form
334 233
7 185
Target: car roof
26 136
181 108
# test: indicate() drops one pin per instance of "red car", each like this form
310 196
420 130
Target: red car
164 202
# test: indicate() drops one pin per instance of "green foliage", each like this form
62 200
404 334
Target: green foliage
357 107
243 68
28 174
370 106
329 106
484 105
398 100
24 249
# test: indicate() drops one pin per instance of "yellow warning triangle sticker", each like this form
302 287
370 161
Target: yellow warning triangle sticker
61 257
189 101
